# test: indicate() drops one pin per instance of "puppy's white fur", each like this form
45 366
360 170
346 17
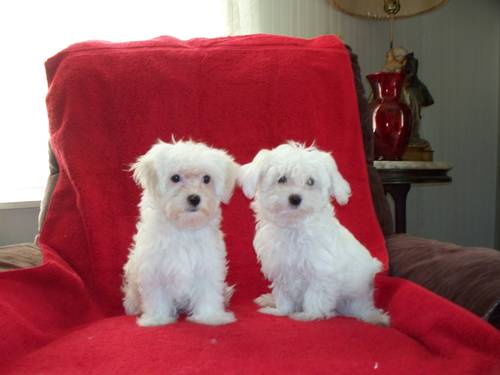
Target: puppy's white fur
317 268
177 262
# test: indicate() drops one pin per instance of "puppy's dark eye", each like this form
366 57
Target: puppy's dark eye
206 179
282 180
310 181
175 178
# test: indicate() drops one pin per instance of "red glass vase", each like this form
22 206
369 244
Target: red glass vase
390 117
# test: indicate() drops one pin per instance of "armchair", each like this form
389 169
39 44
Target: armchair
64 314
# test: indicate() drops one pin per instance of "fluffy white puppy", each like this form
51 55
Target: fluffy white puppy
317 268
177 262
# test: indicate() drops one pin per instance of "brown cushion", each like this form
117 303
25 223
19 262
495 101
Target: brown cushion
19 256
468 276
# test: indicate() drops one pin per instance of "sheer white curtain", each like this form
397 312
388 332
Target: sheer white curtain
243 17
32 31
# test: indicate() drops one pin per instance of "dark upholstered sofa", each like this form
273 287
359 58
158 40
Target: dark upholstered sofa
469 277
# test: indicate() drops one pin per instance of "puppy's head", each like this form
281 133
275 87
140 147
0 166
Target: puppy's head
187 181
292 182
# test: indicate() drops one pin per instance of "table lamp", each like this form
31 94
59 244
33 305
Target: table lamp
387 9
398 94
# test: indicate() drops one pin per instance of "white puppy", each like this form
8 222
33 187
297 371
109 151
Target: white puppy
316 266
177 262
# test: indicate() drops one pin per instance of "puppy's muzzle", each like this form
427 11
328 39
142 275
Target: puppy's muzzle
295 200
194 200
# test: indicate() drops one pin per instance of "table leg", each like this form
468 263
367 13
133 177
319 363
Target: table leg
399 192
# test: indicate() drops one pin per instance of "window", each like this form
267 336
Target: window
32 31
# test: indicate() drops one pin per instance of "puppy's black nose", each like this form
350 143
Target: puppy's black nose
194 200
295 199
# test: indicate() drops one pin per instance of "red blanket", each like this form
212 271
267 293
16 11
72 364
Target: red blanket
107 104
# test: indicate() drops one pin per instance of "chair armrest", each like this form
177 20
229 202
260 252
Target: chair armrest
37 304
17 256
467 276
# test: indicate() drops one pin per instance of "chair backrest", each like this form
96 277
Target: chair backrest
108 103
379 200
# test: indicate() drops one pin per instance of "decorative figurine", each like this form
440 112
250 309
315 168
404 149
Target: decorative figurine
395 60
415 95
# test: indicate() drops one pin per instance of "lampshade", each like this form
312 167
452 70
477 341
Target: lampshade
375 8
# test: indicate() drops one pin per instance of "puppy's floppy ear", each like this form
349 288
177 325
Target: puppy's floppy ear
230 176
251 173
144 170
224 173
339 187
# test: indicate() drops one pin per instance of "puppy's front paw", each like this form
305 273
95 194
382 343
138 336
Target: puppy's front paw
272 311
304 316
221 318
131 307
378 317
131 301
146 320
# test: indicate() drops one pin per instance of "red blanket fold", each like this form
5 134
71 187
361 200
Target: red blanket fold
107 104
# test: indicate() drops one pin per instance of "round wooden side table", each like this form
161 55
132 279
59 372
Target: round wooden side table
398 176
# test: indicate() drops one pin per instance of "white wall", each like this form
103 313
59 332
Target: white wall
460 65
458 50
